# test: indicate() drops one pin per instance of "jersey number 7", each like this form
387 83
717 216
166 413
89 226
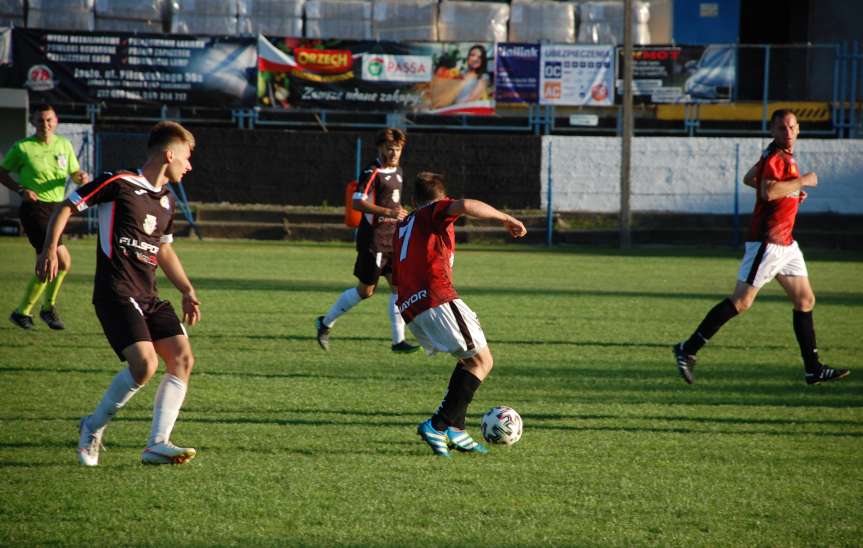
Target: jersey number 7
405 237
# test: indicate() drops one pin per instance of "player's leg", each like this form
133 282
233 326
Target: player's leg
761 262
397 323
48 313
799 291
367 269
453 327
172 344
126 330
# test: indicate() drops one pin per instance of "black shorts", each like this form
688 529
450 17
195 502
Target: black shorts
372 265
127 322
34 218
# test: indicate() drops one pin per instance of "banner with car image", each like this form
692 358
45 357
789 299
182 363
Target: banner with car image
117 67
430 78
680 74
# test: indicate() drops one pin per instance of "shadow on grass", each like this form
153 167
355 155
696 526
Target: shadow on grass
306 286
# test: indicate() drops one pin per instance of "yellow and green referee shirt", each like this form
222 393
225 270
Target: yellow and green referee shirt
42 167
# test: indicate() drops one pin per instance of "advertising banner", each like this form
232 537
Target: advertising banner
433 78
681 74
517 73
577 75
116 67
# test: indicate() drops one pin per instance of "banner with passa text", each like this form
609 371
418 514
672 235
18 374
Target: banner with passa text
577 75
434 78
517 73
116 67
681 74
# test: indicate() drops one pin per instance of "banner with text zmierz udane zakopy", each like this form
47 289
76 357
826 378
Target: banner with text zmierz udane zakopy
116 67
429 78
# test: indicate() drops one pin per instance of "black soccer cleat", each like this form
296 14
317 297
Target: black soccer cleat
49 316
21 320
824 374
685 363
405 347
323 333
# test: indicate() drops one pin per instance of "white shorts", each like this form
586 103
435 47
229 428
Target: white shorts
763 261
451 327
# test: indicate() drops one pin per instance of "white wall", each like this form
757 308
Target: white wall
691 174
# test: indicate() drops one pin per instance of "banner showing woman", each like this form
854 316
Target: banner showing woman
433 78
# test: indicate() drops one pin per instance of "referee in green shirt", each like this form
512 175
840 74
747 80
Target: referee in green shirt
42 162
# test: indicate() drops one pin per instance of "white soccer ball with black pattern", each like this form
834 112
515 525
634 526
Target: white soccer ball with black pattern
501 425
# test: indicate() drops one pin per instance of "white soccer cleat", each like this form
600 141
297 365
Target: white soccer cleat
167 453
89 444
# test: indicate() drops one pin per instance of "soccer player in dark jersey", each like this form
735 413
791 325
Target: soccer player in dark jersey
424 249
771 252
136 212
378 197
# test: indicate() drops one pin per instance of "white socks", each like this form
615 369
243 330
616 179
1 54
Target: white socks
166 408
121 390
347 300
398 324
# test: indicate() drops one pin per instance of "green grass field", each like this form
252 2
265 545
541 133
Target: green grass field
301 447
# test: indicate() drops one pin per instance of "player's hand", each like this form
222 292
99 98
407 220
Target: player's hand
29 196
191 308
47 265
803 196
810 179
515 227
399 212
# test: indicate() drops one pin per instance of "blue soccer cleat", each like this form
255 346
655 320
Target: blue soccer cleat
461 441
436 439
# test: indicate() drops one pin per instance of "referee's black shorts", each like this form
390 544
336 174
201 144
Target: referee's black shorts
34 218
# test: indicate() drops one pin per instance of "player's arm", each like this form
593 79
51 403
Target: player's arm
751 177
773 190
481 210
47 262
173 269
365 206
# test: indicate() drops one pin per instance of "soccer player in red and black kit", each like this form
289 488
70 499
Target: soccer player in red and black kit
378 197
771 252
423 253
136 212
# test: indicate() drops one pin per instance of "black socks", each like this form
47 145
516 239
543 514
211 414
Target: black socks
453 408
804 329
708 327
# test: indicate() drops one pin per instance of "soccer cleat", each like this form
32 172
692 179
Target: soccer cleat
824 374
436 439
49 316
167 453
461 441
323 333
685 363
21 320
89 443
405 347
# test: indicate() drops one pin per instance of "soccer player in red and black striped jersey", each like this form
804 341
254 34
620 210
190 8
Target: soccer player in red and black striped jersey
771 252
135 234
423 254
378 197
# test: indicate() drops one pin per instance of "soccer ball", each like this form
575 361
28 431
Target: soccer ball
501 425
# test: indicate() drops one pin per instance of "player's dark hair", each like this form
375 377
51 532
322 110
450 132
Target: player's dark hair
780 114
428 187
167 133
391 135
42 107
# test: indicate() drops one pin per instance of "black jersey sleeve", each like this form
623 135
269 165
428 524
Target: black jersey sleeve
97 191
